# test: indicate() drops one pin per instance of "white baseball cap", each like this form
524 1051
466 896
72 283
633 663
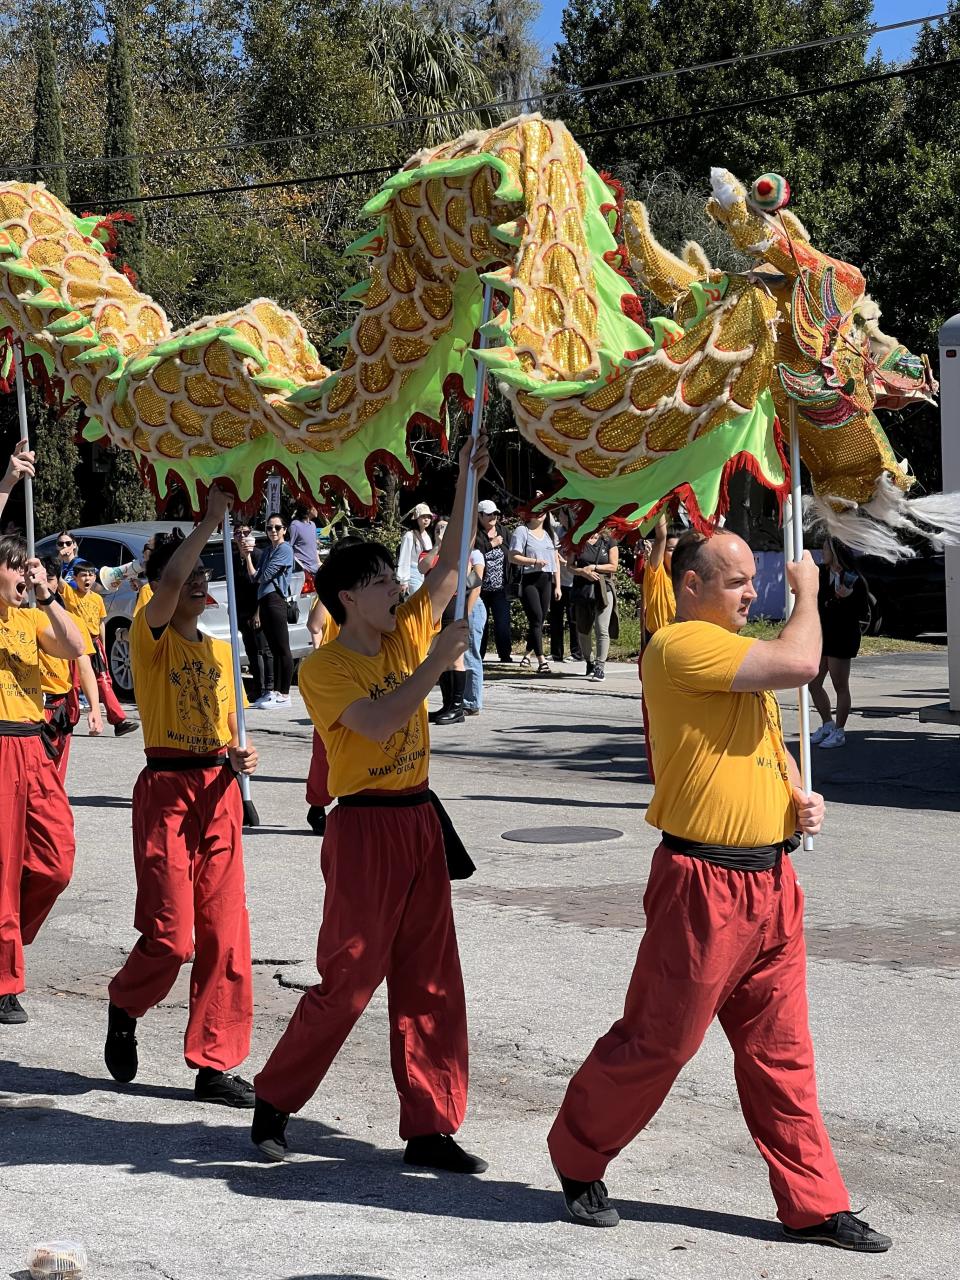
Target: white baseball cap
488 508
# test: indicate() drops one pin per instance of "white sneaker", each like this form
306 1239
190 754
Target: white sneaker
823 732
281 700
265 700
835 739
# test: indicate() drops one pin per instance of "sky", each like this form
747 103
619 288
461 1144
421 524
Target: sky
895 45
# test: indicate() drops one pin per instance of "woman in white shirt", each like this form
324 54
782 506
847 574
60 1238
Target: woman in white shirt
414 543
533 549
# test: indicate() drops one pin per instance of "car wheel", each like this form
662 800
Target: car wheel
118 660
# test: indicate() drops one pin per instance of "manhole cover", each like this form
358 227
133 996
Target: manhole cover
562 835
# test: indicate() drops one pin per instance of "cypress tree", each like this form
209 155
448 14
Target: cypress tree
47 119
125 497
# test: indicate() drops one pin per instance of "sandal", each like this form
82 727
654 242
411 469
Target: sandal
544 668
525 660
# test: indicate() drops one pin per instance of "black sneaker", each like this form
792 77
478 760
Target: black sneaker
591 667
317 819
439 1151
12 1011
842 1231
269 1130
120 1050
598 672
588 1203
220 1086
126 726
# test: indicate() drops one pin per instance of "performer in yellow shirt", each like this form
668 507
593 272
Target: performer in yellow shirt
36 825
60 680
87 606
659 603
388 853
724 935
322 630
187 820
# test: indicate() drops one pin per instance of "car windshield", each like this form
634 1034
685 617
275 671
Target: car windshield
212 557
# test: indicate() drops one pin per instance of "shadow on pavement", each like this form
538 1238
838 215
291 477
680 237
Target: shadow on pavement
343 1170
100 802
563 802
15 1078
914 770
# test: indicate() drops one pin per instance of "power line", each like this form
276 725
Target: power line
646 77
636 127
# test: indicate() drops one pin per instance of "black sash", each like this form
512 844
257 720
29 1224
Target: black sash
181 764
460 865
31 729
762 858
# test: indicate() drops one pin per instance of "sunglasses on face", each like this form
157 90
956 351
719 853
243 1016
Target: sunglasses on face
68 543
275 528
243 533
199 575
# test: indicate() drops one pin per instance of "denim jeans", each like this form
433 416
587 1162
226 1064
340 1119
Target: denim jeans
472 662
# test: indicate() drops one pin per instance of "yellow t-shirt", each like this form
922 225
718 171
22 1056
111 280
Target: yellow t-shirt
89 610
55 674
184 689
144 596
659 602
333 677
21 695
719 758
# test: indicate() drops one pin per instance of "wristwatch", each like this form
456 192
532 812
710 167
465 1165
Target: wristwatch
45 601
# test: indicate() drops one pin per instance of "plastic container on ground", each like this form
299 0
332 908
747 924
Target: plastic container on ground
57 1260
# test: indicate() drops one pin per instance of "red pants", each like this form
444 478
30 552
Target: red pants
726 944
191 898
317 793
36 850
61 745
386 914
115 713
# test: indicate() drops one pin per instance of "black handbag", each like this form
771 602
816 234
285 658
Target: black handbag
293 609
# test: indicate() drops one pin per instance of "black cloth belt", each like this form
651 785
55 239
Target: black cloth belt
762 858
181 764
53 699
30 729
460 865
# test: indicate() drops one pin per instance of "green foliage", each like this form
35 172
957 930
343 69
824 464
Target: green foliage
122 179
57 503
124 495
48 149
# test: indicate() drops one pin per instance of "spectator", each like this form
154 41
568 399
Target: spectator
273 578
561 611
413 544
68 552
259 657
493 593
594 566
532 548
843 604
461 685
303 538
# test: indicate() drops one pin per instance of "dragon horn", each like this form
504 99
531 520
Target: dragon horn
662 272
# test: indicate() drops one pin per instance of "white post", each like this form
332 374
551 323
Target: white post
796 514
950 446
24 435
469 524
250 816
787 555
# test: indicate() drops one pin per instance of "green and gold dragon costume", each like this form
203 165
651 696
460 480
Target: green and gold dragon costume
632 414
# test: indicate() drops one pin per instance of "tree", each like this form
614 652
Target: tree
48 153
122 176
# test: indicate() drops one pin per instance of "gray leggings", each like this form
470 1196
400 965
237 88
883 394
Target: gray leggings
601 629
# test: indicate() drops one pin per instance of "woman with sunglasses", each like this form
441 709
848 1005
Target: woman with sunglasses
67 550
272 577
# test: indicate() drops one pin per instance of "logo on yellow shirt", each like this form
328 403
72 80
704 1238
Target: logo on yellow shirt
198 700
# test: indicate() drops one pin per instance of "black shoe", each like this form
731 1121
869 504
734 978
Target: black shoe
126 726
445 684
439 1151
588 1203
269 1130
453 712
12 1011
219 1086
505 662
591 667
598 672
450 715
317 819
843 1231
120 1050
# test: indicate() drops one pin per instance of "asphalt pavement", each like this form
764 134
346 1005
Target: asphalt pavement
156 1185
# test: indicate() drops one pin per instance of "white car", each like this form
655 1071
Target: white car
110 545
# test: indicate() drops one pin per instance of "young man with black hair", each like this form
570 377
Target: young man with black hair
36 825
187 820
60 681
86 604
387 911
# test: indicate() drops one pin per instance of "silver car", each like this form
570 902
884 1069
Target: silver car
110 545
